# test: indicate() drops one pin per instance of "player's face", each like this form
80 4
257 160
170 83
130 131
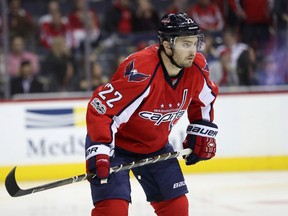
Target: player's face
185 50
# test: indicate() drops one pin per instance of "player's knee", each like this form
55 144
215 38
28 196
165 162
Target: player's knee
111 207
178 206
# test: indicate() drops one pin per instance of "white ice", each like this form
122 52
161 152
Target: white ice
221 194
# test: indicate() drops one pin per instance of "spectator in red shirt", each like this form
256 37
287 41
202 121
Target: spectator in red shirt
256 21
53 7
77 23
207 15
55 28
118 17
176 6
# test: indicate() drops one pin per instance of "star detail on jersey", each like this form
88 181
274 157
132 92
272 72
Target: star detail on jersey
134 75
170 115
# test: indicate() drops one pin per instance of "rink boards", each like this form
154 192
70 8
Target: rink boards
45 139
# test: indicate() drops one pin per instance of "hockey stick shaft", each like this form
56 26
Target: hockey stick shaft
15 191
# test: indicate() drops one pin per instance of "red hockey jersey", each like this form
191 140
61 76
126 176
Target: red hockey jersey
138 108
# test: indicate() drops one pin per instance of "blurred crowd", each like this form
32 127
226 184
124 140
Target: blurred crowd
76 45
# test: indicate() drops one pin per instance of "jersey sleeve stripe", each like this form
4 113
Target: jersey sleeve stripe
207 96
126 114
206 99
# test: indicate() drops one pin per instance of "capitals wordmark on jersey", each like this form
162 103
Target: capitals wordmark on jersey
163 115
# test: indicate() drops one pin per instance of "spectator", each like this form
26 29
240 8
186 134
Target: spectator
97 78
207 15
210 51
230 14
20 22
220 68
242 58
77 23
268 72
256 23
118 17
281 12
276 60
26 82
59 66
283 65
211 54
55 28
2 64
2 73
229 74
145 17
53 7
177 6
19 54
93 34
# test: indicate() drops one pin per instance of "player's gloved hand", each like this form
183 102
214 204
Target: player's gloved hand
201 139
97 161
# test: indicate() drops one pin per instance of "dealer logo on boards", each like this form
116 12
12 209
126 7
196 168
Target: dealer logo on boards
55 118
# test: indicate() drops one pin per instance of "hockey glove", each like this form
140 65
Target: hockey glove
201 139
97 161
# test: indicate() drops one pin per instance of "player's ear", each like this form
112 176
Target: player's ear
166 45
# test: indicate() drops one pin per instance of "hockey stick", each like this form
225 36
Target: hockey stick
15 191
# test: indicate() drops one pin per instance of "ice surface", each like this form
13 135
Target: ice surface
221 194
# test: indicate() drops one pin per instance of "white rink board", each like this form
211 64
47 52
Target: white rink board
249 125
22 145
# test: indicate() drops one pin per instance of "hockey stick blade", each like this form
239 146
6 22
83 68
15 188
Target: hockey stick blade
15 191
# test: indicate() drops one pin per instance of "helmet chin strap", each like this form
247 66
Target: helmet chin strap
171 58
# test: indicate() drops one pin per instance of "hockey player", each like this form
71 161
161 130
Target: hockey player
131 117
